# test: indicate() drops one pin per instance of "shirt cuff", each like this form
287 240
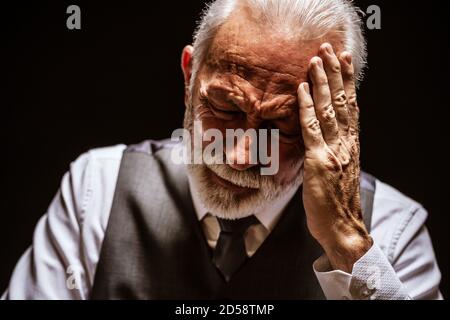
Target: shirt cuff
372 278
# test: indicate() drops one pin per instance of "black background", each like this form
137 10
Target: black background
118 81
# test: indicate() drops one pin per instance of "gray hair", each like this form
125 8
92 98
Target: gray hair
309 18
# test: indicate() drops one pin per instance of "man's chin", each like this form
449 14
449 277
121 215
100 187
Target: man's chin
228 200
223 198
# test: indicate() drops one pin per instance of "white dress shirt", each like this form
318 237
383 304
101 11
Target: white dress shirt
67 241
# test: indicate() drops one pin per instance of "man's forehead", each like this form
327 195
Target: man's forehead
281 60
263 55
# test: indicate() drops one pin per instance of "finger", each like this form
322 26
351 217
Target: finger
338 96
322 102
348 75
312 134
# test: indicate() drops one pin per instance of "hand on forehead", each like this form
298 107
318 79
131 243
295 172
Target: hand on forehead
257 72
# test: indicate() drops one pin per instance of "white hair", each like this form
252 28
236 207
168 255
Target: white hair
307 19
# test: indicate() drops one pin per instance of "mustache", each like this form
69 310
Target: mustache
250 178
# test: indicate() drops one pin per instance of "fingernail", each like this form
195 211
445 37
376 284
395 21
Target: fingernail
306 87
318 63
348 58
329 49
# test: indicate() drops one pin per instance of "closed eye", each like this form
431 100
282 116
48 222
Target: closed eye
218 110
287 137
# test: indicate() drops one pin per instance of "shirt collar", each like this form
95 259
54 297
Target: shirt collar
268 216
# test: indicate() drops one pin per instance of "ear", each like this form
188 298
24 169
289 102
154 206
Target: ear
186 64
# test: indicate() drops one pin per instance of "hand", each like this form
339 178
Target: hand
329 117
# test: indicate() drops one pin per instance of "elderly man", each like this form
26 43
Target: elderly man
130 223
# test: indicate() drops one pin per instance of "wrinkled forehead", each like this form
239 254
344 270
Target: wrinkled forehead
271 61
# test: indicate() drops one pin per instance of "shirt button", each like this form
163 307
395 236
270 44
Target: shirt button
366 294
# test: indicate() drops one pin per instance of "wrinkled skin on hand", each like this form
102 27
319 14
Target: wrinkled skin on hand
329 117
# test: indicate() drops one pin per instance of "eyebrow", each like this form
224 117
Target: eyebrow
283 112
269 113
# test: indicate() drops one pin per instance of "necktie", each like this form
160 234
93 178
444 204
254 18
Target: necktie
230 252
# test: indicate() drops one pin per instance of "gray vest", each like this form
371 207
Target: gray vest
154 247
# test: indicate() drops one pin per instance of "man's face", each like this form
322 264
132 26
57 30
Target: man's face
249 81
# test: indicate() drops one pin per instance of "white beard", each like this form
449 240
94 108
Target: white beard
225 203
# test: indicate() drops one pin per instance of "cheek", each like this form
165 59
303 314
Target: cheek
208 121
291 160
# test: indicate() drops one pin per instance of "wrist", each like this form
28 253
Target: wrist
346 248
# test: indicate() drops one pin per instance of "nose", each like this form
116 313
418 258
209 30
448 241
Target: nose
243 154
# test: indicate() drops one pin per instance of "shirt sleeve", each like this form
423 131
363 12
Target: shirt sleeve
410 272
67 240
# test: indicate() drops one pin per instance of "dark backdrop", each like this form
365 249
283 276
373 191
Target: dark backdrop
118 81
